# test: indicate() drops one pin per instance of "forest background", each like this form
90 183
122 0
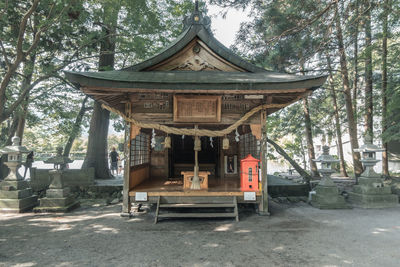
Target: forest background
355 42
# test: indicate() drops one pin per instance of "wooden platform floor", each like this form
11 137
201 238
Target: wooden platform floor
174 187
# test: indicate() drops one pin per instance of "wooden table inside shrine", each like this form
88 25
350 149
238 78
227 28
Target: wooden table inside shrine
188 176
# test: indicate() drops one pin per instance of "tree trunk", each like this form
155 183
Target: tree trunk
355 83
385 160
97 155
296 166
310 143
28 69
368 123
343 172
75 128
347 94
12 130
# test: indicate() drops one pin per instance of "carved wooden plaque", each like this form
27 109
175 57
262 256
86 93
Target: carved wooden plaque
197 108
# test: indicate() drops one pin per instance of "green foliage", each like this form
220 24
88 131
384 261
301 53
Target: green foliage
72 43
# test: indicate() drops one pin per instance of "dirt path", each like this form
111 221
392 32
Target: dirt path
295 235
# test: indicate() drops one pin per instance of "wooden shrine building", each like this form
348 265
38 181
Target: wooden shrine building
194 103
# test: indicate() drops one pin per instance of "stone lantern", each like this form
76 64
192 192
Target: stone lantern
326 192
58 197
15 193
371 191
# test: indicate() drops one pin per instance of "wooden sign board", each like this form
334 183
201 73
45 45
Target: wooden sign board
197 108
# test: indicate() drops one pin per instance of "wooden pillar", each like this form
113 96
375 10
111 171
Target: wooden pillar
263 207
126 203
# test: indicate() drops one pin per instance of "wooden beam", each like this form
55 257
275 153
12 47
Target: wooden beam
263 207
126 204
220 92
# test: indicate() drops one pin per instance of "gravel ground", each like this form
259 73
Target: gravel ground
294 235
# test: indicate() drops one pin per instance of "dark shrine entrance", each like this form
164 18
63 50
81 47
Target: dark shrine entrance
181 155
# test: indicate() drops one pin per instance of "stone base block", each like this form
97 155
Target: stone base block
327 197
366 201
67 208
56 204
370 190
15 194
18 205
58 193
12 185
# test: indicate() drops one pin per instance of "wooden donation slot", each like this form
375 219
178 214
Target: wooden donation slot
197 108
188 176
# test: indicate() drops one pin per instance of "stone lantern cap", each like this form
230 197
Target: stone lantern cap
15 148
59 159
368 146
325 157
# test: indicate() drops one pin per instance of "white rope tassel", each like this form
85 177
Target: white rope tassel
225 143
211 142
153 139
167 142
237 135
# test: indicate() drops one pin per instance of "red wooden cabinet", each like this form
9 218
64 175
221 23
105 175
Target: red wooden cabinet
249 168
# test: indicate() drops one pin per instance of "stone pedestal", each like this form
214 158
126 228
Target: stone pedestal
58 198
372 193
327 196
326 192
16 196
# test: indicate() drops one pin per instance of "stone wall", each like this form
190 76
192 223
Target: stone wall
74 178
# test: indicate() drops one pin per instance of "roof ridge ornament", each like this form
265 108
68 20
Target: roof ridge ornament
197 18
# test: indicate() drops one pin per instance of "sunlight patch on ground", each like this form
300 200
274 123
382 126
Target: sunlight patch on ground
210 245
64 264
242 231
62 227
99 228
223 228
384 230
71 219
135 220
334 256
25 264
280 248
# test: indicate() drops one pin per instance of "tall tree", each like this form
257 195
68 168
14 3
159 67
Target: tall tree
355 22
310 143
347 95
385 32
368 121
75 128
338 129
97 151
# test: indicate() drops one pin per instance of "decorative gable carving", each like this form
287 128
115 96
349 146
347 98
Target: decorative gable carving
196 56
196 63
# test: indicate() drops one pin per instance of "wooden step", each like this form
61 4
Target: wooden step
197 215
205 205
184 203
